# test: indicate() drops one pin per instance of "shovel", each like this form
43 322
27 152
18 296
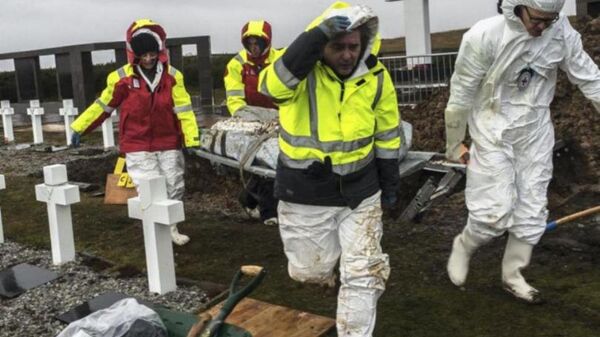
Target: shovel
207 327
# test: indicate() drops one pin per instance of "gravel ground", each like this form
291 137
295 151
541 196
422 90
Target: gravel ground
33 313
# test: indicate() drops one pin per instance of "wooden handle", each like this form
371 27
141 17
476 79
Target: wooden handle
251 270
578 215
197 328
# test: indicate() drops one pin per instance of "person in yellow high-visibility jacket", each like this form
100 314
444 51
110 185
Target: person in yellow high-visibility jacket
338 162
241 74
241 87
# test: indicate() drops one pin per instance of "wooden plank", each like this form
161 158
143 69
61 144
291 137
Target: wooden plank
263 319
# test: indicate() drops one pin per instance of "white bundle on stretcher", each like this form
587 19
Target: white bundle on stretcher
255 128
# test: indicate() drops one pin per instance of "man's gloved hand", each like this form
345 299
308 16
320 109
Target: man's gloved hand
320 170
334 25
389 205
388 199
456 127
75 139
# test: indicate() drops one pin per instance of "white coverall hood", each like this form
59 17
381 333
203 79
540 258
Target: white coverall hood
514 22
359 16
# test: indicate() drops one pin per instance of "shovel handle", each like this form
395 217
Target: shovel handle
235 296
251 270
552 225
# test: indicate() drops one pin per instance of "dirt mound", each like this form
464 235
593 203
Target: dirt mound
210 188
575 119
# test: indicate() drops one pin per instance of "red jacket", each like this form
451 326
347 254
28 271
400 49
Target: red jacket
148 121
241 75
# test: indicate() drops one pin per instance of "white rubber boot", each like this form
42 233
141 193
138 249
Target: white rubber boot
271 221
178 238
516 257
253 213
463 248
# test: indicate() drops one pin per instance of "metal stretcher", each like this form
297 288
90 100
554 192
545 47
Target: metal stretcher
443 178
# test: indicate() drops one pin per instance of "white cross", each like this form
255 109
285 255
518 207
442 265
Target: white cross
36 112
158 214
6 111
58 195
2 186
108 136
68 111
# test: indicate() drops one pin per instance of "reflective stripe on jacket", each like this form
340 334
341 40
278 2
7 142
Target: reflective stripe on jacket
352 122
241 81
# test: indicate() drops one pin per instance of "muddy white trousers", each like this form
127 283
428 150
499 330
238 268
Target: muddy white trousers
314 237
169 164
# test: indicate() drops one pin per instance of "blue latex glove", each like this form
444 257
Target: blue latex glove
334 25
75 139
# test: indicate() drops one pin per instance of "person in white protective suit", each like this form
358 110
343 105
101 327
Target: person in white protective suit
338 161
503 84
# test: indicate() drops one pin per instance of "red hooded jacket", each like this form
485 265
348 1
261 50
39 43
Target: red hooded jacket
156 120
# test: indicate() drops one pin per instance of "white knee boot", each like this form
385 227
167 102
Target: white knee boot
463 247
516 257
178 238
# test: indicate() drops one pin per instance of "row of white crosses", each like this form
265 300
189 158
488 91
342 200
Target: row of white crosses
152 206
35 111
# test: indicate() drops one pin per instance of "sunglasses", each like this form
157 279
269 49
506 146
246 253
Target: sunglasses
537 20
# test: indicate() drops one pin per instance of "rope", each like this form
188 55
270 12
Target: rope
248 156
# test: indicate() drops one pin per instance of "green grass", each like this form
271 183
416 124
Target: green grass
419 301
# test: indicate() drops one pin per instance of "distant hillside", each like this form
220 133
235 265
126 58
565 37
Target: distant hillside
440 42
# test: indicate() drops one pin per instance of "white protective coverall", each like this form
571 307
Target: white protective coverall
503 83
169 163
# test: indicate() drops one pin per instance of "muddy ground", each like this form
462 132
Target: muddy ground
419 301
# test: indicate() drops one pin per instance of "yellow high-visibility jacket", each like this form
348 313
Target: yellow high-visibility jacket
353 122
241 80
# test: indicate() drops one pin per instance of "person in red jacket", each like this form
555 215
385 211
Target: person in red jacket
241 85
156 119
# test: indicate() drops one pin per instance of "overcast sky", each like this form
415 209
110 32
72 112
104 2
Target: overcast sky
36 24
